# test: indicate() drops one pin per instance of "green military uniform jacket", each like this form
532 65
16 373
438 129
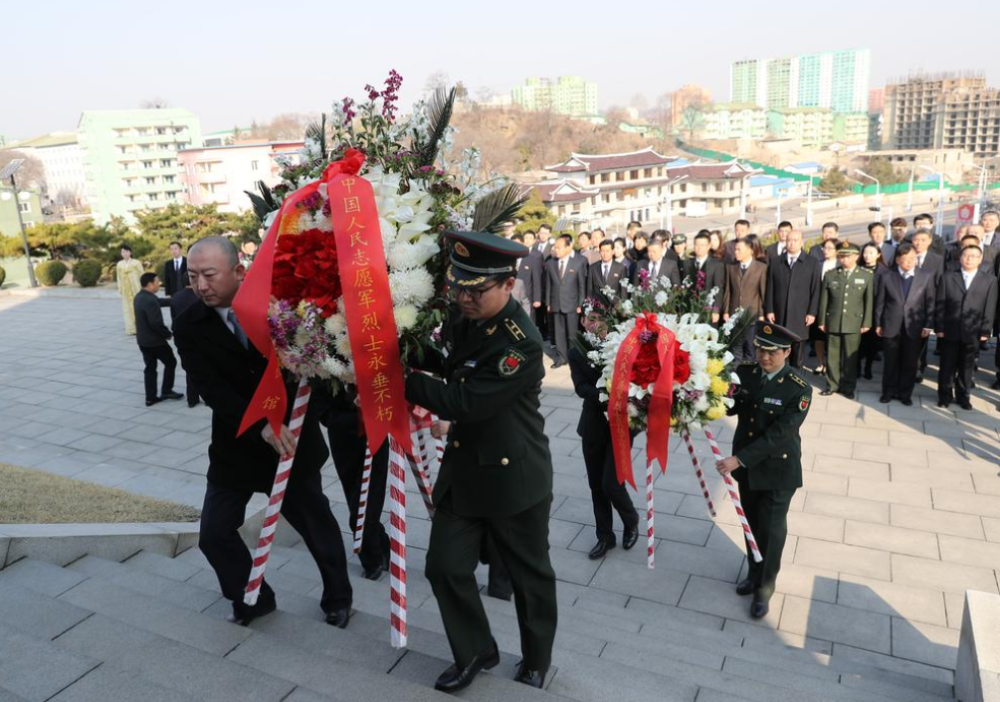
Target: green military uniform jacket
846 300
496 462
767 441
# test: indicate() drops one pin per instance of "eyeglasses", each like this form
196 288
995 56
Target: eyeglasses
474 294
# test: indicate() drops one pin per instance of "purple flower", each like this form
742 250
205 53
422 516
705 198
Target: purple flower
700 281
348 110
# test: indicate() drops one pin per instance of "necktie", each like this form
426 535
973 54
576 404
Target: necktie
656 271
237 329
562 268
791 261
604 271
177 265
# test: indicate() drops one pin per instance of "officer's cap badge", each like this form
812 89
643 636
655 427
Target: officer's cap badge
460 249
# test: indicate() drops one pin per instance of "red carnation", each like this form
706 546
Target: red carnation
305 268
682 364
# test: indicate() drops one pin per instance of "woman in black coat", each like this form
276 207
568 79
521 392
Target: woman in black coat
871 345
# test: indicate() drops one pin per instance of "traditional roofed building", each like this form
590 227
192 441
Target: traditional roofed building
607 188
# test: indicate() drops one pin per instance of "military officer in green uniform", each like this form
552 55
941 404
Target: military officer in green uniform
496 475
845 313
771 404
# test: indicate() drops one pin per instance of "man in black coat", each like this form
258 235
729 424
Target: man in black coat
792 296
964 316
227 369
924 222
529 272
179 302
606 493
566 288
973 237
606 273
657 265
830 230
175 272
904 318
777 249
933 263
707 271
152 334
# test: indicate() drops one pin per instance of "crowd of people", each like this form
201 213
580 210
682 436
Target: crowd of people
493 492
852 305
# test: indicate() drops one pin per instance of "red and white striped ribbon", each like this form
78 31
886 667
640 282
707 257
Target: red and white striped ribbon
419 469
270 524
397 544
734 495
366 481
650 541
697 470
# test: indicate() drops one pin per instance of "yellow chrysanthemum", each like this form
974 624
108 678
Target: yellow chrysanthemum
716 411
715 366
718 386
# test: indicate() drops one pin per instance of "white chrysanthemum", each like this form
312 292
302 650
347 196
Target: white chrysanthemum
603 397
335 367
414 286
335 324
627 307
343 345
406 316
660 298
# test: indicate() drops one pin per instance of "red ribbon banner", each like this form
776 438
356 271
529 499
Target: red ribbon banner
660 403
371 326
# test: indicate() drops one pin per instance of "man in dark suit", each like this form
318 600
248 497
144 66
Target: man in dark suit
227 370
926 222
179 302
175 271
606 273
746 286
566 277
990 221
711 270
973 236
792 296
903 318
877 235
777 249
831 230
933 263
656 265
545 241
964 317
528 291
152 334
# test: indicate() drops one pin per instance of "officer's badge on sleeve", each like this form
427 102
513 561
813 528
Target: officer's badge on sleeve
803 404
511 362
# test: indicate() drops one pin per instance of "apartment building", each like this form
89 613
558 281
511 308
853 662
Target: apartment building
222 175
837 80
567 95
131 159
62 163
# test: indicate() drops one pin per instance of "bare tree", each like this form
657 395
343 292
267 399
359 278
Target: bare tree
155 103
437 79
32 172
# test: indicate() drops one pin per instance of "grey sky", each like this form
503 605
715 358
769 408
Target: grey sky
230 62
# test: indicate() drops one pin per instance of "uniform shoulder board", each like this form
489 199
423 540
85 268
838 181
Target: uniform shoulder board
797 380
513 330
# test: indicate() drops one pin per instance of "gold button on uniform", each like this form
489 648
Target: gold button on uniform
750 434
504 461
455 444
784 455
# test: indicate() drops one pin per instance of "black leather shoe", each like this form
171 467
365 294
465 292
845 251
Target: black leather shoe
906 401
943 403
172 396
373 573
193 403
885 399
965 405
919 379
455 678
534 678
600 549
848 395
630 535
826 393
243 613
995 385
339 617
744 587
759 608
867 374
150 403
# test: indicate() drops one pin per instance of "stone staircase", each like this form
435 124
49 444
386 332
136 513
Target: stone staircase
151 628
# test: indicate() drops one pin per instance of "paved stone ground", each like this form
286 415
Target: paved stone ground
900 512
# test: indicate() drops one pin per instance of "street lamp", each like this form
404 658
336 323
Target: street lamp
809 202
939 223
6 172
878 191
669 202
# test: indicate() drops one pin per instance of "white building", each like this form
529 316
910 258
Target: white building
222 175
62 160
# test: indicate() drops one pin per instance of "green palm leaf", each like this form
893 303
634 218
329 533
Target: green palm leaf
498 207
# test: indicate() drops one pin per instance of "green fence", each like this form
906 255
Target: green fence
719 156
